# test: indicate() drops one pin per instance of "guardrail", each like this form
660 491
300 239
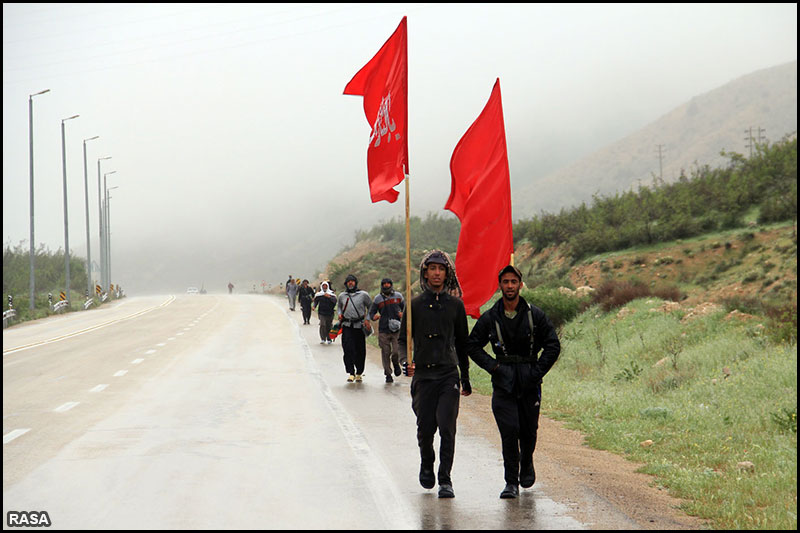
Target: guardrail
88 303
60 306
8 315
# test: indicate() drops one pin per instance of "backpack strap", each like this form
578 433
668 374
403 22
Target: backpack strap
500 335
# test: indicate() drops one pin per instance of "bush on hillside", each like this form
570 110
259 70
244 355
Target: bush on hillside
614 294
559 308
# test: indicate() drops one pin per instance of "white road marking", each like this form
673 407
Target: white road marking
171 339
148 352
161 344
120 373
384 492
66 407
11 435
85 330
181 333
99 388
136 361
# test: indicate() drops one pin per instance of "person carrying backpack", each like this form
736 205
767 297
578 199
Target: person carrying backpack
518 331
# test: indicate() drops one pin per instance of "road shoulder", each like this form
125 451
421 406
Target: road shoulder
600 488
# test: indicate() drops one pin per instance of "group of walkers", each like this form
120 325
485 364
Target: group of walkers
523 340
355 309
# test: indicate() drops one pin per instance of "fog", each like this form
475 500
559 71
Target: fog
237 157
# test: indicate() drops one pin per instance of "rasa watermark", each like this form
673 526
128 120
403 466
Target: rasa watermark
28 519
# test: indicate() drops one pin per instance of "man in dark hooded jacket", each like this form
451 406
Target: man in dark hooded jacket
439 331
518 331
305 295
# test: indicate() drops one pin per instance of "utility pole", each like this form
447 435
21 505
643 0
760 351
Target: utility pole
660 163
750 143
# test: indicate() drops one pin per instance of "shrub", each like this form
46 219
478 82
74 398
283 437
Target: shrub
613 294
559 308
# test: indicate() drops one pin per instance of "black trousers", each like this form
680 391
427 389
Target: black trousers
354 345
517 418
435 402
306 308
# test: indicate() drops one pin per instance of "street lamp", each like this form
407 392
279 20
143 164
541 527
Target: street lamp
30 144
100 221
89 288
104 267
66 220
108 231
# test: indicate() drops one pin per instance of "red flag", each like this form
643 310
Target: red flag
383 82
480 196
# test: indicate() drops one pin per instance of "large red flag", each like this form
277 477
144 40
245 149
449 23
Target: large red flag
383 82
480 196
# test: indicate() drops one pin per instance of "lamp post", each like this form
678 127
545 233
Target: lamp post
89 287
104 267
66 217
100 222
30 144
108 231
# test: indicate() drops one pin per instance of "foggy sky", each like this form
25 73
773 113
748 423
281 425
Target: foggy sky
239 159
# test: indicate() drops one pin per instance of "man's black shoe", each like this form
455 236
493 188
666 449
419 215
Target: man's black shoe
446 491
527 476
426 477
511 491
397 370
389 379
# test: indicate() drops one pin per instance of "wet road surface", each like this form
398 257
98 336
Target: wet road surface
224 411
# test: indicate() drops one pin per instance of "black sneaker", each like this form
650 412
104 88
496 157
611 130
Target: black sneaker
446 491
397 370
426 477
511 491
389 379
527 476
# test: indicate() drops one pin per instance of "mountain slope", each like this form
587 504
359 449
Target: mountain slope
694 133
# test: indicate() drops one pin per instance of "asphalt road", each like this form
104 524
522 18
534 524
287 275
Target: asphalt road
224 411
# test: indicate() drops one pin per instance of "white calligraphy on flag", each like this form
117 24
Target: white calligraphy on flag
384 124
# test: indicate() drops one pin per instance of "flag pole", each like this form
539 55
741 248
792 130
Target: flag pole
409 346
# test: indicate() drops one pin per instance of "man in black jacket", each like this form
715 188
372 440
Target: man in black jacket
439 330
306 295
517 331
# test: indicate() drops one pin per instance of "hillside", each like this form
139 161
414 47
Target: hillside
693 133
734 267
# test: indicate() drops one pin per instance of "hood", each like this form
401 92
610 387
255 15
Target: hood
451 284
349 278
324 289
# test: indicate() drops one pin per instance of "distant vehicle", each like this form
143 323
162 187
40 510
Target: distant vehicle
192 290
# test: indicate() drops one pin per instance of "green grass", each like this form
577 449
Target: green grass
722 394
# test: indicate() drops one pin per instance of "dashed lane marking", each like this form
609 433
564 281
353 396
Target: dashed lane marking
86 330
11 435
65 407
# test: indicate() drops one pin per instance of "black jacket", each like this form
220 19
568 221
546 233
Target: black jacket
326 304
440 334
305 295
521 376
